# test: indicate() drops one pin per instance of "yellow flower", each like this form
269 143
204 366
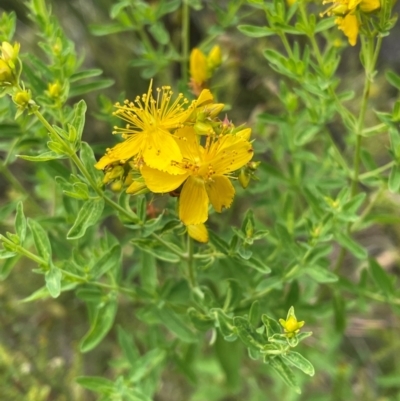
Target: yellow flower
198 232
350 26
9 52
214 59
347 20
204 173
291 326
147 133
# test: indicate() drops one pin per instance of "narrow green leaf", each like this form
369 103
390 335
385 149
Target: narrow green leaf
20 223
176 324
41 240
393 79
89 214
7 265
147 363
394 179
256 264
110 260
356 249
381 278
299 362
85 74
271 325
127 344
53 281
320 275
97 384
43 293
81 89
284 372
159 33
100 326
44 157
256 31
88 159
79 118
254 314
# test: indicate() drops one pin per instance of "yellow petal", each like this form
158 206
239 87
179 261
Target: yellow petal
244 133
198 232
220 191
160 150
368 6
204 98
186 139
193 202
198 66
350 27
229 153
161 182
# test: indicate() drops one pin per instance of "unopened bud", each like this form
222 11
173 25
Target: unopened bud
214 58
137 188
244 177
5 72
22 98
9 52
54 90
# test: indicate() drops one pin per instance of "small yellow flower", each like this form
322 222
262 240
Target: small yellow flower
347 20
9 52
204 173
291 326
147 133
198 232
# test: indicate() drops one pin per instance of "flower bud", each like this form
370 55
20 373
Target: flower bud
9 52
137 187
214 58
54 90
198 66
5 72
22 98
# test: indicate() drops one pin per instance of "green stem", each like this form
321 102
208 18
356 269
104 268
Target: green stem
168 245
128 214
190 263
185 40
377 171
41 262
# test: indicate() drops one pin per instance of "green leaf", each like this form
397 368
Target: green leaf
89 214
88 159
110 260
85 74
393 79
144 365
381 278
7 265
79 119
81 89
53 281
256 31
356 249
271 325
20 223
324 24
41 240
321 275
100 326
43 293
176 324
284 372
394 179
159 33
254 314
129 349
97 384
256 264
44 157
167 7
299 362
219 243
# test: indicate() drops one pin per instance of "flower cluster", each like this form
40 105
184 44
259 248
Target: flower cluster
178 147
348 19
